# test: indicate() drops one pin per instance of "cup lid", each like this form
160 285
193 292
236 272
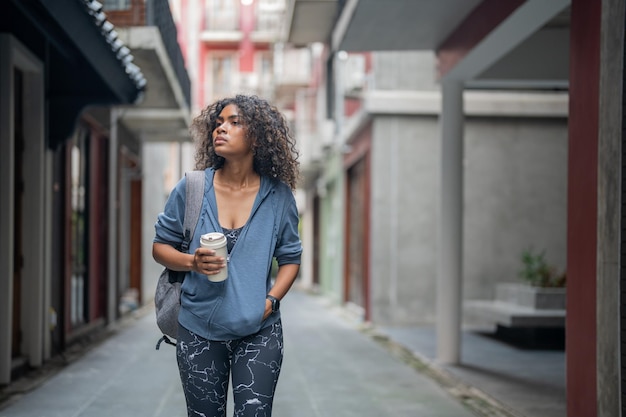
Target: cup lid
213 237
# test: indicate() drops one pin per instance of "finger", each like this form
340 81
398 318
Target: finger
205 252
215 266
215 261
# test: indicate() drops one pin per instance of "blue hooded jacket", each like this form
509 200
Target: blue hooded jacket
234 308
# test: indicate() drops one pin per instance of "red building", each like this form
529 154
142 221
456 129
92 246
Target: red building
229 46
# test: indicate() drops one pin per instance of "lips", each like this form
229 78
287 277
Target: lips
218 140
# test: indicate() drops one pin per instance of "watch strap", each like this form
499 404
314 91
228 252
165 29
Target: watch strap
275 302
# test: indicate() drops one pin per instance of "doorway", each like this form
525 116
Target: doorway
357 236
24 214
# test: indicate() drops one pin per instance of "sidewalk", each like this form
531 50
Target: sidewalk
331 369
518 382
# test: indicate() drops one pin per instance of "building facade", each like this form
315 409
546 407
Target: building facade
425 197
71 141
387 166
229 46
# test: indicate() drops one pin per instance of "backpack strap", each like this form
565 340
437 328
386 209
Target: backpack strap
194 194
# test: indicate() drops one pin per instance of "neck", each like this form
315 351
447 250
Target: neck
237 175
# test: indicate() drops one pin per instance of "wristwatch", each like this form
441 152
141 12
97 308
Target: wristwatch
275 303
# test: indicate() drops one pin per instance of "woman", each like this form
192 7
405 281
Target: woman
234 326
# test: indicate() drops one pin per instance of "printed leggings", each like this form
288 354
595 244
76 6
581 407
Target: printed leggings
205 366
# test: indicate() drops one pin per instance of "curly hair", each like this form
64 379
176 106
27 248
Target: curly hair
274 148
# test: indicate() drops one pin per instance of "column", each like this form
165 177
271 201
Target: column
112 298
450 227
610 213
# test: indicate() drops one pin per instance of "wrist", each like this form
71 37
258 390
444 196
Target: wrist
274 302
191 262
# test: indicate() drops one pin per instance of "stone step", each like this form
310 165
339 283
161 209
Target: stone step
494 312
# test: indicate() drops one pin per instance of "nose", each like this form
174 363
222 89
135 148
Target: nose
220 127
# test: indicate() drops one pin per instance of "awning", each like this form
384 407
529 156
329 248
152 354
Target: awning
528 48
86 65
84 24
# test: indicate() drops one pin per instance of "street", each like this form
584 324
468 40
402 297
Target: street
330 369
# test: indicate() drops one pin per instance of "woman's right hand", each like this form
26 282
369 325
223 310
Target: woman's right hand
205 262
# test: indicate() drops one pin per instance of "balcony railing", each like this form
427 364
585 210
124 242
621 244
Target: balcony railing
269 22
221 20
158 14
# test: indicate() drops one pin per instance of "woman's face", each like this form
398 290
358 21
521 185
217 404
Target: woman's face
229 135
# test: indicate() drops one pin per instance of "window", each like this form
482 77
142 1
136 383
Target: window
270 14
222 14
265 71
222 72
266 66
79 222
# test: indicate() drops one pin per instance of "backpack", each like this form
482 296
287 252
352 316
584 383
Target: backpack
167 294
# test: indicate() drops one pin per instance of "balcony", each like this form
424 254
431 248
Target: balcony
313 134
164 112
293 71
227 23
270 16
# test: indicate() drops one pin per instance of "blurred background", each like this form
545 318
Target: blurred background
461 164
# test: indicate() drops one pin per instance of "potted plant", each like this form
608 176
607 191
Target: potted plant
538 273
530 313
543 286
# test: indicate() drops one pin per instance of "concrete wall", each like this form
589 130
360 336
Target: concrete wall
515 197
515 188
408 70
405 161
